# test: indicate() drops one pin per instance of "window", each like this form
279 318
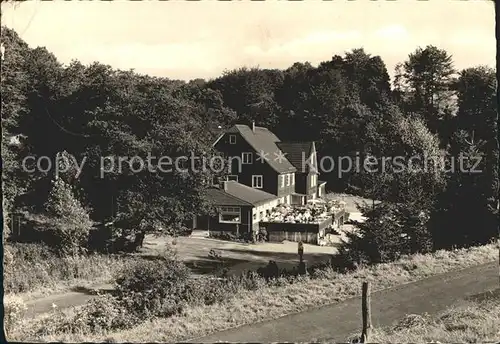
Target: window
257 182
287 180
230 215
232 177
255 216
261 215
293 178
232 139
282 178
246 158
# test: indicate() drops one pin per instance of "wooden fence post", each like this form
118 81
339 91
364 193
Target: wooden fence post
300 250
366 313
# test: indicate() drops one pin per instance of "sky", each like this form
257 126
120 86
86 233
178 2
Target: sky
188 40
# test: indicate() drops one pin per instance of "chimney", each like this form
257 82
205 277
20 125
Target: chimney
253 126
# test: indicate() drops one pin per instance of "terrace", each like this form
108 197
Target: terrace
315 212
309 223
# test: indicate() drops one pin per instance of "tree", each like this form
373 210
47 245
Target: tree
467 211
407 164
370 76
217 115
390 231
424 80
250 92
15 181
69 222
157 120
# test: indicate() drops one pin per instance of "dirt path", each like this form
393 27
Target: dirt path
335 323
63 300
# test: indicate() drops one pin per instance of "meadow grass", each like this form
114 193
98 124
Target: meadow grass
34 272
467 322
271 302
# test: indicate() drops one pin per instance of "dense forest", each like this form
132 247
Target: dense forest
347 105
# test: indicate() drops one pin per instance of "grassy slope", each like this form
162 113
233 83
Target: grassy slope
272 302
469 322
33 279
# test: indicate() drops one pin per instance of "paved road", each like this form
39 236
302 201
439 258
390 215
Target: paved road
335 323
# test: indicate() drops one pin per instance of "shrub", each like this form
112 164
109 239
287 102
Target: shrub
31 252
69 222
228 236
262 235
154 288
214 255
14 311
219 268
250 281
390 231
101 314
8 260
109 238
271 270
208 291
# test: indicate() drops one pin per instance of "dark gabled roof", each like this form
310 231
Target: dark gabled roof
237 194
248 194
263 140
219 197
295 151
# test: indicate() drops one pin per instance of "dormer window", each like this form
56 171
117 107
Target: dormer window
246 158
232 139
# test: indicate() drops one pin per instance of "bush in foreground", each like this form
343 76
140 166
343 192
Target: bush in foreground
14 311
98 316
154 288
